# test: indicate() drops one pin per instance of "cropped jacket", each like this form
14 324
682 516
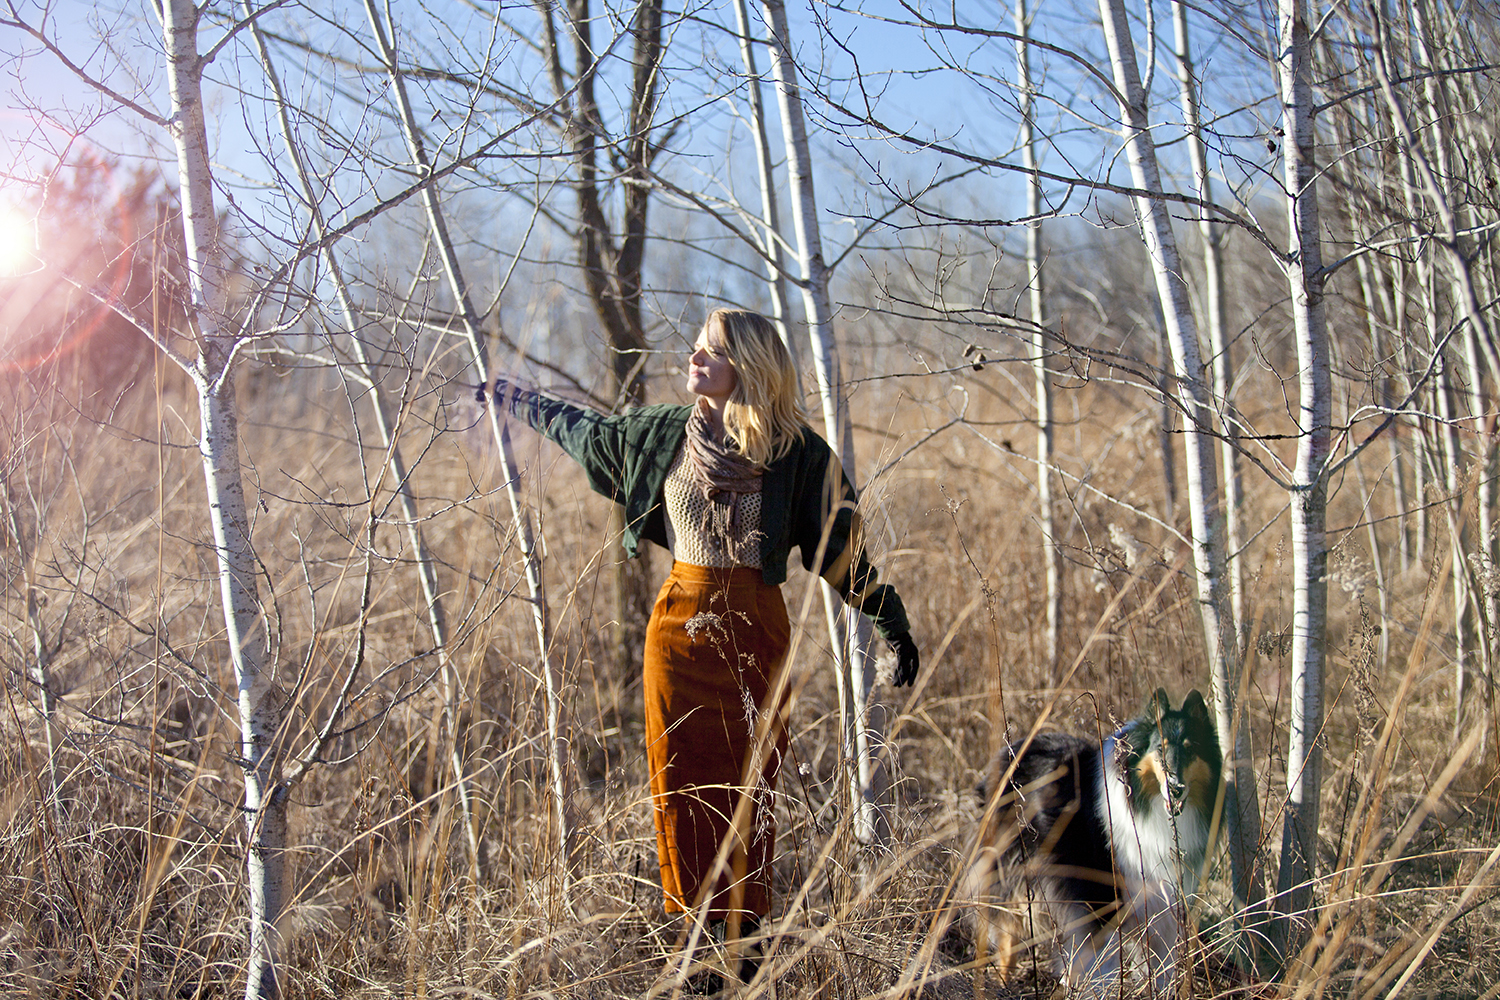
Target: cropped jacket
807 502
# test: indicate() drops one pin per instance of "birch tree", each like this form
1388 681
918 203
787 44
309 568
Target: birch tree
1426 183
559 756
221 324
262 702
771 241
1220 634
1309 491
1211 233
864 734
1040 345
400 472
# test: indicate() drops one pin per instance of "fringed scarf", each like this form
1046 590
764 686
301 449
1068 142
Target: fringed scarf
726 474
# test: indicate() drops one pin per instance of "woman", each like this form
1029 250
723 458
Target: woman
729 485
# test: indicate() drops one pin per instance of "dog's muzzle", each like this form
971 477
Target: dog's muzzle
1176 796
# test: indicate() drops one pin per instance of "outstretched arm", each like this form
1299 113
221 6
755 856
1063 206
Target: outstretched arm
594 440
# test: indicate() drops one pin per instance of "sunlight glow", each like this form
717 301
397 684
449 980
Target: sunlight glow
17 243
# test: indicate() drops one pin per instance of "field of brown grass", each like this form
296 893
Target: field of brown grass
131 883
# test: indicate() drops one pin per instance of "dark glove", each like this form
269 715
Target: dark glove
908 660
501 391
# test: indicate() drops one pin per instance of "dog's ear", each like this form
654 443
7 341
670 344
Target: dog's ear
1158 705
1194 707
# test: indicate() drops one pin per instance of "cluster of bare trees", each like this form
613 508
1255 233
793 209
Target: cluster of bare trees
1362 171
1359 114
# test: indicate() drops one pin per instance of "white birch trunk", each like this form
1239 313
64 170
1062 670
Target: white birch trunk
864 734
261 703
1309 497
559 757
1443 452
1376 323
1221 361
401 480
1378 319
1041 370
1220 635
1479 347
1242 804
770 215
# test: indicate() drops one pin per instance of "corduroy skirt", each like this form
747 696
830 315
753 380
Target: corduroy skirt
714 647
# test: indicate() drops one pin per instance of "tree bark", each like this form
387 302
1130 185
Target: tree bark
1479 348
1309 494
559 758
770 214
437 619
613 269
1040 347
1246 877
1219 632
261 703
864 731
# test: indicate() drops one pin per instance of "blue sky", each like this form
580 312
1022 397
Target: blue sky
952 88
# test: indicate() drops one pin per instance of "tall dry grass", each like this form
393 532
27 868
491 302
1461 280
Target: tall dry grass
129 882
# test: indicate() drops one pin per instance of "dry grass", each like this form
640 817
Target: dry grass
133 884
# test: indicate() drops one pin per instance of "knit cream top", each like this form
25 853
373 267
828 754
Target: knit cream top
698 529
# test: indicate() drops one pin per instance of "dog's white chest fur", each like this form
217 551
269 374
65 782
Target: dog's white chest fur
1150 844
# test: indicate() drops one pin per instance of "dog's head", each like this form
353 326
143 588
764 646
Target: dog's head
1174 754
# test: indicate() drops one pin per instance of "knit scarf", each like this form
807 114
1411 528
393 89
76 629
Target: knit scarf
726 474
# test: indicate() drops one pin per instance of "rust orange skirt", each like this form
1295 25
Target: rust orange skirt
716 639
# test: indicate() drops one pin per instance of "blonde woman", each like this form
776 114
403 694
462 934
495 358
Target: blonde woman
729 485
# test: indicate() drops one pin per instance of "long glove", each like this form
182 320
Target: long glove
908 660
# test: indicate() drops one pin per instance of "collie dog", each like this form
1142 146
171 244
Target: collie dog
1110 840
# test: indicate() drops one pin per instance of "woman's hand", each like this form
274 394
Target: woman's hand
485 395
908 660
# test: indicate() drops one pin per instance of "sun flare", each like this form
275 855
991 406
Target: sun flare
17 243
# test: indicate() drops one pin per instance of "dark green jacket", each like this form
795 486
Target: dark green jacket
805 496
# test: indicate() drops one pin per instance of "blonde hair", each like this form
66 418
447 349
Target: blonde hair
764 414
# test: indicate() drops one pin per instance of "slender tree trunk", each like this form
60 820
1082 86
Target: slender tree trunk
631 579
1041 369
437 621
864 732
1247 881
1480 351
1378 320
1376 323
1221 359
1166 427
1309 499
612 268
1219 632
1443 451
261 703
1449 460
559 757
770 215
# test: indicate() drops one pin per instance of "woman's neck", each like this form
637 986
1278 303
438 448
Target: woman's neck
714 410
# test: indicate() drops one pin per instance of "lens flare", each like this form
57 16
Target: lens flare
17 243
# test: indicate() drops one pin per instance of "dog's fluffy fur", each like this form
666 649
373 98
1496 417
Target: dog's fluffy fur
1109 840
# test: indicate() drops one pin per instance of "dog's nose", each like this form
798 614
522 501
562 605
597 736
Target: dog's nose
1175 791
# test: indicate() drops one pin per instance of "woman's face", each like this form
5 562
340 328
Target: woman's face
709 371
